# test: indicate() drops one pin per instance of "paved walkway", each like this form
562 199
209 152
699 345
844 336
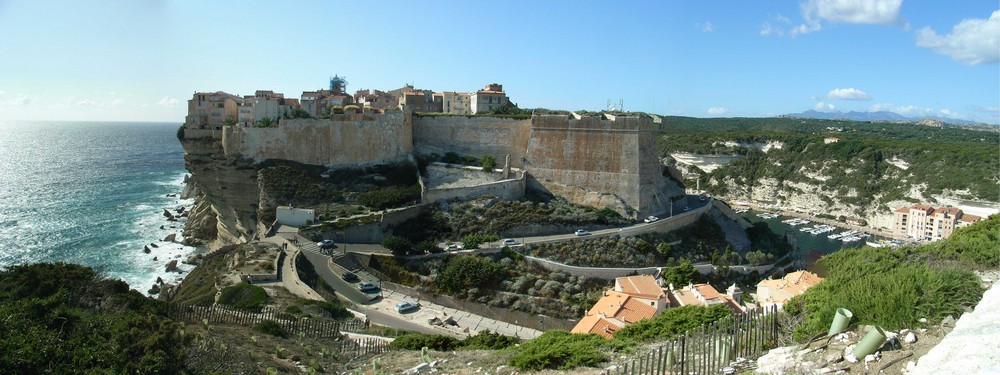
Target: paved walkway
468 323
973 347
289 275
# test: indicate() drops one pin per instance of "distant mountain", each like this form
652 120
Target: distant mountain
874 116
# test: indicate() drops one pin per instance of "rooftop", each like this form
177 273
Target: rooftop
643 286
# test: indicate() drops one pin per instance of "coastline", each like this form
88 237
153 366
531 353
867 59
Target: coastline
157 231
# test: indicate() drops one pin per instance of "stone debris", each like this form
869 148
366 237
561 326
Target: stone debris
910 338
418 369
922 320
948 321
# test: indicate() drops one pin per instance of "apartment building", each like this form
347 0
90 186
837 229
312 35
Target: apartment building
210 110
705 295
923 222
456 103
490 97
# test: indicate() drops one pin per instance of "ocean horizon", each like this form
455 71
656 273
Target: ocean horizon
93 193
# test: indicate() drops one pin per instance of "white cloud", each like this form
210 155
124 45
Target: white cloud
19 99
117 102
993 110
879 12
848 94
972 41
85 102
707 27
717 111
2 93
767 30
168 102
824 107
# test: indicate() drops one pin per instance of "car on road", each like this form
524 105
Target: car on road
350 277
509 242
453 248
325 244
404 307
686 209
582 232
651 219
701 198
367 287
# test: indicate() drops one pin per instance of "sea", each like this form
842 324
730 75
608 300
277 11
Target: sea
93 193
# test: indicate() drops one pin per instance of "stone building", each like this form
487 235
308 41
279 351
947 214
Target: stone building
923 222
456 103
490 97
779 291
210 110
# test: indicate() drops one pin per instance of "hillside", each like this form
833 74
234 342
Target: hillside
869 170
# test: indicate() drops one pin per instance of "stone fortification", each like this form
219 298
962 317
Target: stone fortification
601 163
472 136
352 139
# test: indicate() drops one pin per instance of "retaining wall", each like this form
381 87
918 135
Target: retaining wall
472 136
355 139
592 272
507 189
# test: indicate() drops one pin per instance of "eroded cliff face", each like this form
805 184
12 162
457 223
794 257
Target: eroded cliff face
227 192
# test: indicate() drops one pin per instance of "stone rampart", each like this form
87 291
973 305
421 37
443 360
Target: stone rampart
511 189
472 136
592 272
354 139
202 133
584 158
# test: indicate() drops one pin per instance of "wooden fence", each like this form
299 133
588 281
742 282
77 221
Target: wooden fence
292 324
707 349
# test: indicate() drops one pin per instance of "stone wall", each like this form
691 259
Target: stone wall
472 136
511 189
592 272
588 159
353 139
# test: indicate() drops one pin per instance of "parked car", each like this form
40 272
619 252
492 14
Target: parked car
509 242
367 287
404 307
325 244
651 219
582 232
701 198
350 277
453 248
686 209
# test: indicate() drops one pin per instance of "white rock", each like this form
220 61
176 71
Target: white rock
851 358
824 370
870 358
922 320
417 369
843 337
911 365
910 338
903 331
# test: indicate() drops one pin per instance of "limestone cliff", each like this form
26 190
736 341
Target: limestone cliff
226 190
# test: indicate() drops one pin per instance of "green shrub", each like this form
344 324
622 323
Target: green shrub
244 297
180 133
560 350
892 289
390 196
397 244
293 310
416 341
487 340
466 272
489 163
270 327
672 323
472 241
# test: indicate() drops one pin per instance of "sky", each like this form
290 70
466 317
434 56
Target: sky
141 60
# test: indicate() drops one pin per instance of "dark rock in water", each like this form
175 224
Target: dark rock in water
167 214
155 289
171 218
181 209
146 249
162 228
171 195
153 245
185 214
192 260
159 280
170 237
171 266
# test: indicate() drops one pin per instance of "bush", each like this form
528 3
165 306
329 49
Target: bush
270 327
472 241
889 289
398 245
487 340
180 133
559 350
416 341
244 297
465 272
390 196
672 323
489 163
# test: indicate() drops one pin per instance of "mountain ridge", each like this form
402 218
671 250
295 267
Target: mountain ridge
878 116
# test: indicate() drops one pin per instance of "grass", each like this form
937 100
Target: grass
244 297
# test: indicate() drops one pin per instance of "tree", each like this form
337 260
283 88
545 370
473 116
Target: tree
680 275
488 162
229 122
664 249
398 245
266 122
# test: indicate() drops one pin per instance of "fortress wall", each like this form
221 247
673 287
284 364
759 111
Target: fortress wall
472 136
587 155
348 140
507 189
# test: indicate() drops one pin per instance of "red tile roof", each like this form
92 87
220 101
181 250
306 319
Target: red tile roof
643 286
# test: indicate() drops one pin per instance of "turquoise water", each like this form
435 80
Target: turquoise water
809 246
91 193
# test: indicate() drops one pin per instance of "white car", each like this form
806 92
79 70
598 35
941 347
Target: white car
404 307
453 248
582 232
509 242
651 219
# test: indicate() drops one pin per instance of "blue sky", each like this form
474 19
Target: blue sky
142 60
